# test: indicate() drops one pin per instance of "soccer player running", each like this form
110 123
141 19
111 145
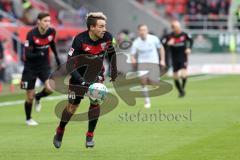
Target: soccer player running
95 42
180 44
1 66
145 50
37 63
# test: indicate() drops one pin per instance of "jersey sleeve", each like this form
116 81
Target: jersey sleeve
158 43
75 49
134 48
164 40
54 49
73 52
189 41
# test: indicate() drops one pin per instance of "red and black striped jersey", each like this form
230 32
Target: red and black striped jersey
181 42
83 44
103 47
37 47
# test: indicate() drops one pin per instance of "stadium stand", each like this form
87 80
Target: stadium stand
196 14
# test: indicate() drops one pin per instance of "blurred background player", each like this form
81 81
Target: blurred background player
179 44
145 50
166 49
1 66
37 64
96 42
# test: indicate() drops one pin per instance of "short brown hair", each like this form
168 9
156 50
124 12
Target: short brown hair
92 18
141 25
42 15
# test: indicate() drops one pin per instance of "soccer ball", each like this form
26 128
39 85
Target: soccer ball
97 92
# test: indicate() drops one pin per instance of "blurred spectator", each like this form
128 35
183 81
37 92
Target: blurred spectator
18 47
212 13
164 35
140 1
17 8
29 13
12 65
6 5
82 12
123 36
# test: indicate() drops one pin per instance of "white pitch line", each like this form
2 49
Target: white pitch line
51 98
9 103
198 78
12 103
205 77
17 102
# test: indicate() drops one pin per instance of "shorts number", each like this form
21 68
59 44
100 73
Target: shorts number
24 85
72 95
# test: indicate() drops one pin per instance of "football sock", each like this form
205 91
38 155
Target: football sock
93 115
178 86
42 94
146 94
28 110
66 116
184 81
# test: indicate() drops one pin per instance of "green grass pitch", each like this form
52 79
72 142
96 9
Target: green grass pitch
211 133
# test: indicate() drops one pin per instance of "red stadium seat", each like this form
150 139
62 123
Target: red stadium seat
180 8
181 2
169 1
169 9
5 20
159 2
54 15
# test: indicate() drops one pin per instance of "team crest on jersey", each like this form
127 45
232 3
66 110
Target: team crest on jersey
103 45
70 53
87 49
182 38
37 41
26 43
50 38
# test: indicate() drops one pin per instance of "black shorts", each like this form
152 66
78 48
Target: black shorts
178 65
29 77
1 74
76 91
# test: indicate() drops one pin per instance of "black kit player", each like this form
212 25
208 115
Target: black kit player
1 66
37 63
95 42
179 44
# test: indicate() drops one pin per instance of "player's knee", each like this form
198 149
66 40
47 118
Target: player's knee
48 87
184 73
184 76
175 76
30 99
72 108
